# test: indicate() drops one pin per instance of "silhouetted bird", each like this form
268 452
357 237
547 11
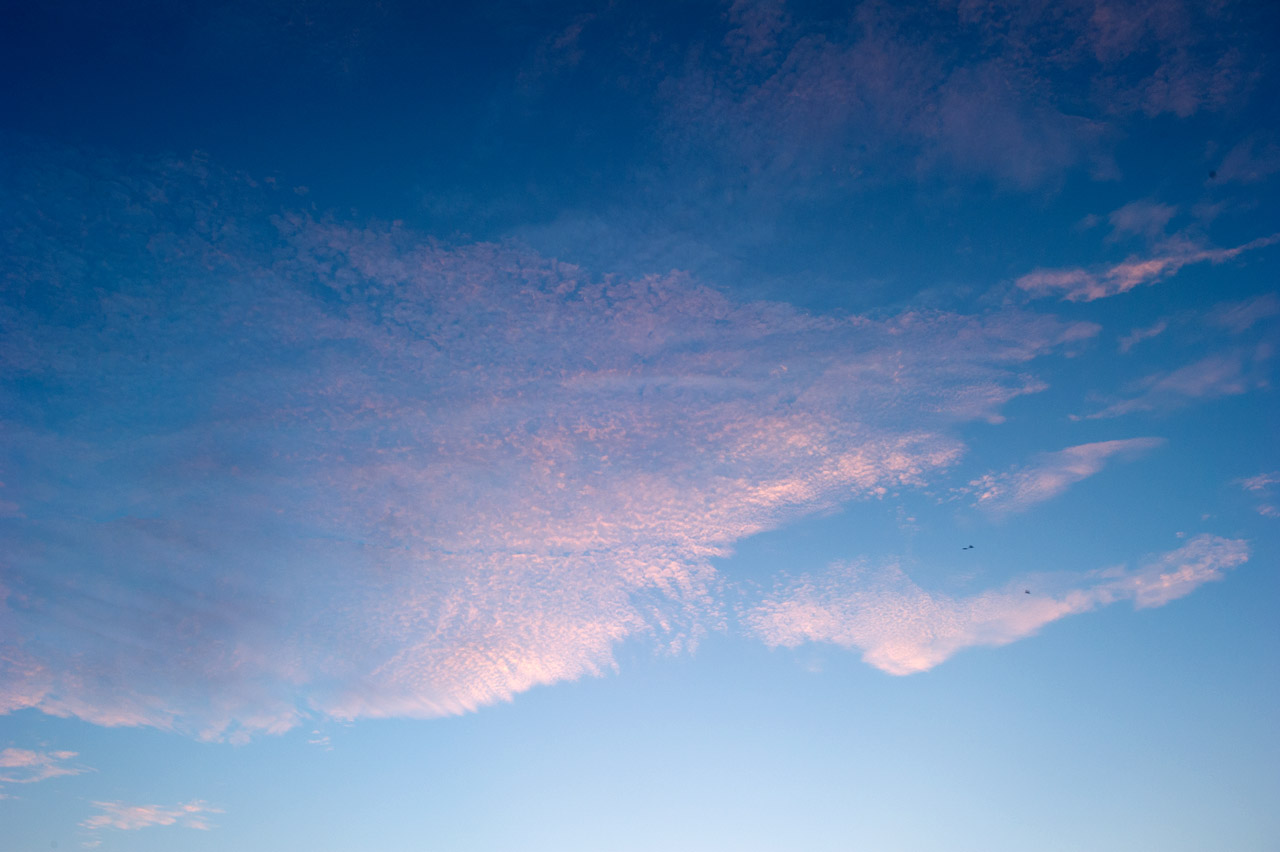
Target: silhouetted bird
1026 591
967 547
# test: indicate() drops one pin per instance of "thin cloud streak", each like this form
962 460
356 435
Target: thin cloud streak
903 629
26 766
1050 474
1217 375
123 817
1077 284
1138 335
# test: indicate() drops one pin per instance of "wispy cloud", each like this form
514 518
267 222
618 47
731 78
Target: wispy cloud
122 817
26 766
1261 483
1140 218
901 628
468 471
1239 317
1262 486
1050 474
1253 159
1218 375
1138 335
1077 284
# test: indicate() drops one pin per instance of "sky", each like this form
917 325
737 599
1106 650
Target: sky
639 426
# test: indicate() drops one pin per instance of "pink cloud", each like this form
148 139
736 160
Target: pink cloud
1261 483
122 817
25 766
902 629
1050 474
1081 285
468 471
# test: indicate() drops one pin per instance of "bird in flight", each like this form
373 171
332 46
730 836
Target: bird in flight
967 547
1026 591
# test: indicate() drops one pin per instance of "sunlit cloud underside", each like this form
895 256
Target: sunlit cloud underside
268 466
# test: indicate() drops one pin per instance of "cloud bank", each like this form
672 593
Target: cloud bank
901 628
263 466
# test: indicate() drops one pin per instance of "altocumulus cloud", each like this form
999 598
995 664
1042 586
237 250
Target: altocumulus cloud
262 466
122 817
901 628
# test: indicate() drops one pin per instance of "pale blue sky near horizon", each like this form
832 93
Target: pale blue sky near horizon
564 426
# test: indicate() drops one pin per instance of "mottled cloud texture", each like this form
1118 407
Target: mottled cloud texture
1050 474
1019 92
901 628
122 817
264 466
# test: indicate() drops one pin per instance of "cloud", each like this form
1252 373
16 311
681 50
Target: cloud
1262 486
1077 284
1050 474
122 817
1138 335
756 25
271 467
791 103
1252 160
1260 483
25 766
1218 375
1239 317
1020 93
1140 218
902 629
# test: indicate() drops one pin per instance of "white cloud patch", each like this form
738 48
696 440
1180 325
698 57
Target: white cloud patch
1050 474
307 468
122 817
901 628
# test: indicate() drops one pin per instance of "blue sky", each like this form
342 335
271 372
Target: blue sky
705 426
